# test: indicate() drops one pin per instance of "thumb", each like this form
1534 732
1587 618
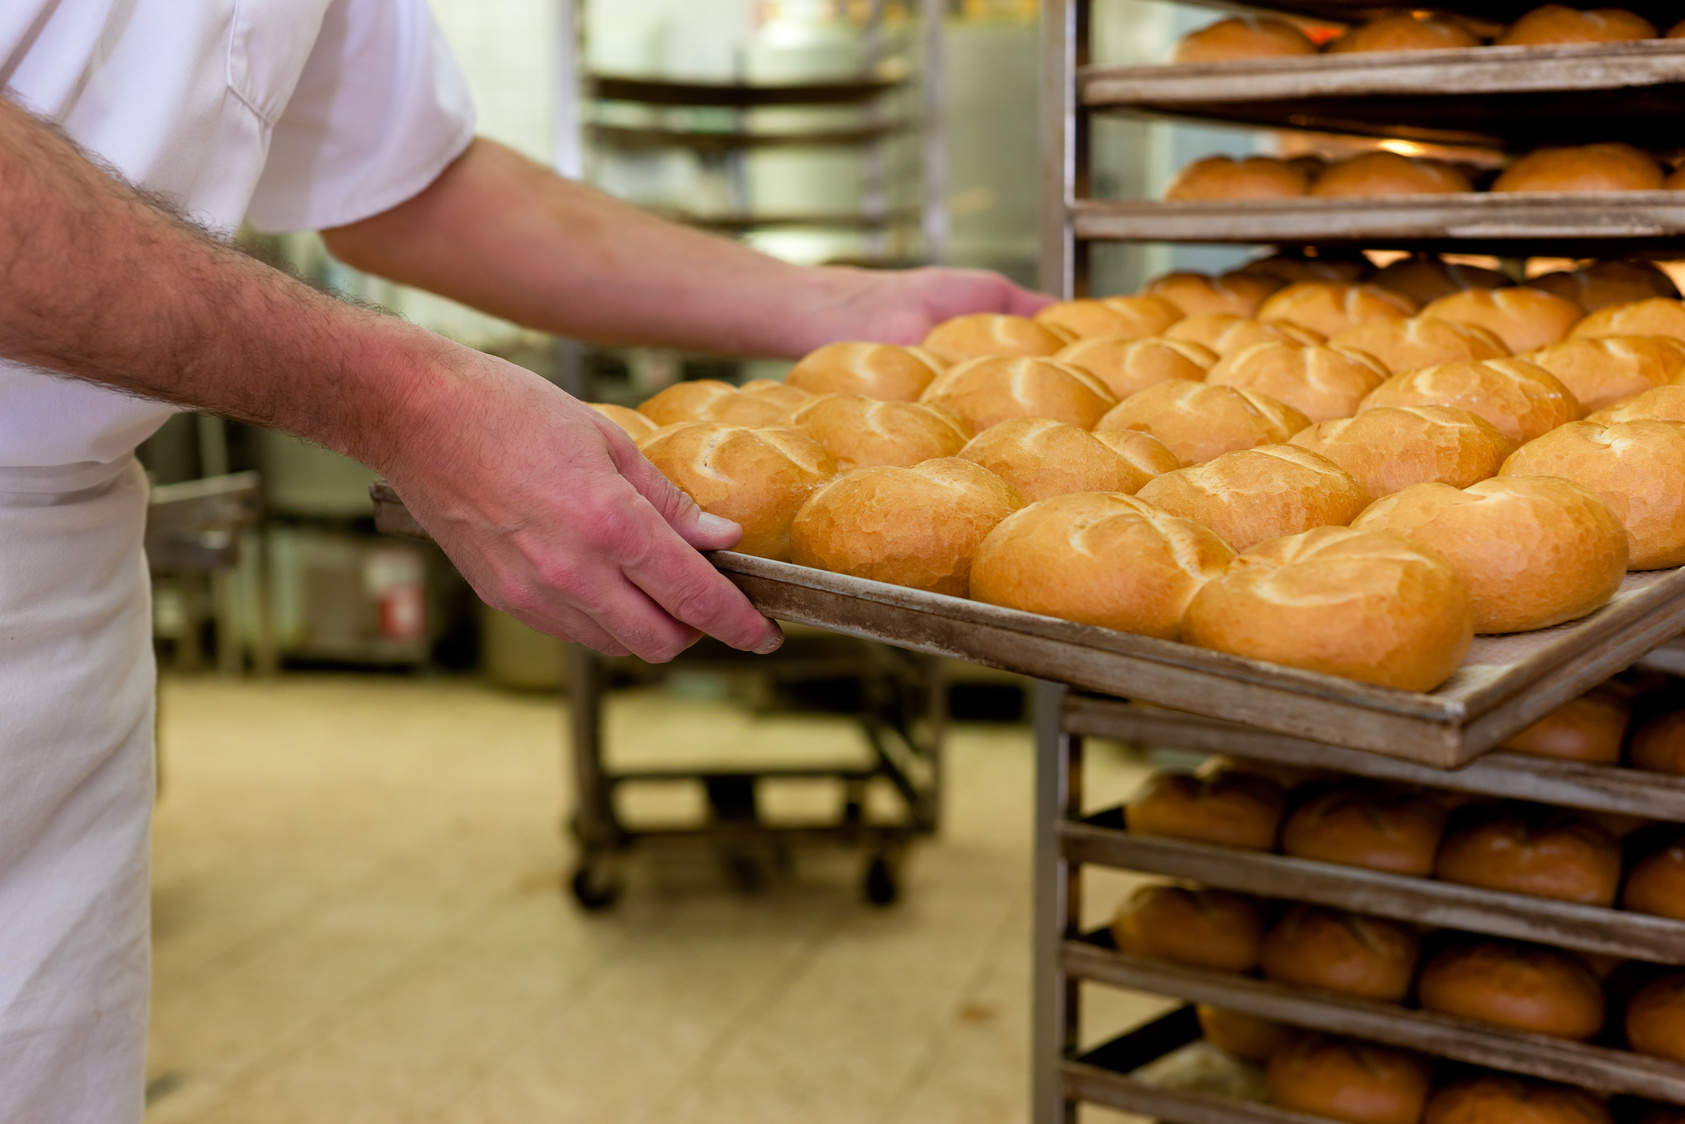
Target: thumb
697 527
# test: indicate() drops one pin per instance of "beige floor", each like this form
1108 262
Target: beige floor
358 920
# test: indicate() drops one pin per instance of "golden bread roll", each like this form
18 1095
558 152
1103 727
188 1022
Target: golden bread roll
1390 448
1224 177
874 370
1222 334
1254 495
633 424
1657 883
1500 1098
1346 1080
1231 809
1409 344
1127 366
1243 37
713 401
1663 403
1555 23
1405 31
1339 951
1608 369
1129 317
1589 167
1365 605
1329 307
1426 277
1522 318
1590 728
1523 400
1659 745
1634 467
1534 551
1388 173
1655 1018
1601 284
778 393
1142 450
757 478
1099 558
862 432
1238 294
1244 1036
1197 422
1043 458
1519 986
985 392
1677 31
1369 826
1290 269
1205 928
1538 851
984 334
916 527
1657 316
1319 382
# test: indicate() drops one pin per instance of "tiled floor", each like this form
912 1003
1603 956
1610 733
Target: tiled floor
358 921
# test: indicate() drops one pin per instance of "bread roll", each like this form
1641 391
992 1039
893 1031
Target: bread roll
1589 167
1426 277
1329 308
862 432
1513 985
713 401
1254 495
1343 1079
1634 467
1522 318
1127 366
1237 294
1205 928
1043 458
1339 951
1601 372
1244 1036
1243 37
1590 728
1657 316
757 478
1391 448
983 334
1657 883
1405 31
633 424
1127 317
1601 284
1320 382
1197 422
1555 23
1523 400
1222 334
1388 173
790 398
1290 269
1404 345
1499 1098
1229 809
1655 1018
1099 558
1663 403
985 392
1534 551
1367 825
1142 450
916 526
1659 744
874 370
1677 31
1224 177
1537 851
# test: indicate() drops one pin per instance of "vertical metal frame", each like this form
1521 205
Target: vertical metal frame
934 220
1057 907
1064 145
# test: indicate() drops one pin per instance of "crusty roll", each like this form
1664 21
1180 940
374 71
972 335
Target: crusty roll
1538 851
1659 744
1389 448
1601 284
1339 951
1205 928
1556 23
1655 1018
1521 318
983 334
1243 37
1677 31
1427 277
1534 551
1320 382
1590 728
633 424
1657 316
1657 883
1197 422
791 398
1402 345
1043 458
1222 334
1367 825
916 526
1514 985
862 432
1343 1079
874 370
1634 467
1606 370
1587 167
1127 317
985 392
1224 177
1523 400
1142 450
1244 1036
1127 366
1501 1098
1388 173
757 478
1231 808
1099 558
713 401
1291 268
1365 605
1405 31
1237 294
1253 495
1329 308
1662 403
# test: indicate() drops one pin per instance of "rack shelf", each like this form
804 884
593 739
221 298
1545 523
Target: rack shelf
1660 12
628 136
738 95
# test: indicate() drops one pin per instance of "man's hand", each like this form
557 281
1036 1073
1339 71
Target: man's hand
902 306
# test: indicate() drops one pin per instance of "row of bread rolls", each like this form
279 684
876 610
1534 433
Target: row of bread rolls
1594 729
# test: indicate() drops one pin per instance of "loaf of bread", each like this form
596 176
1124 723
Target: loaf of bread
1243 37
1522 318
1655 1018
1230 809
985 392
1659 745
1555 23
1365 605
1099 558
1513 985
1523 400
1601 284
781 394
916 526
713 401
862 432
1657 883
1663 403
1388 173
757 478
1127 317
1254 495
1204 928
1127 366
1405 31
1222 334
1244 1036
1590 728
1537 851
1427 277
1346 1080
1224 177
1390 448
1043 458
1367 825
1603 371
1588 167
1657 316
983 334
1409 344
1237 294
1334 950
631 423
1291 268
1143 450
1501 1098
1634 467
1197 422
1319 382
874 370
1329 307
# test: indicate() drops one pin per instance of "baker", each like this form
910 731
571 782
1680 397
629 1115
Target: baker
135 137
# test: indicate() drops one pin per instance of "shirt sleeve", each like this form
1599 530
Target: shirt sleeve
379 111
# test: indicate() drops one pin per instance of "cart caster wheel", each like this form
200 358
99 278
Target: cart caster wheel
593 890
883 885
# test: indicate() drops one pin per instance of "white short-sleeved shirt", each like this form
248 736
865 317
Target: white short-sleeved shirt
284 114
